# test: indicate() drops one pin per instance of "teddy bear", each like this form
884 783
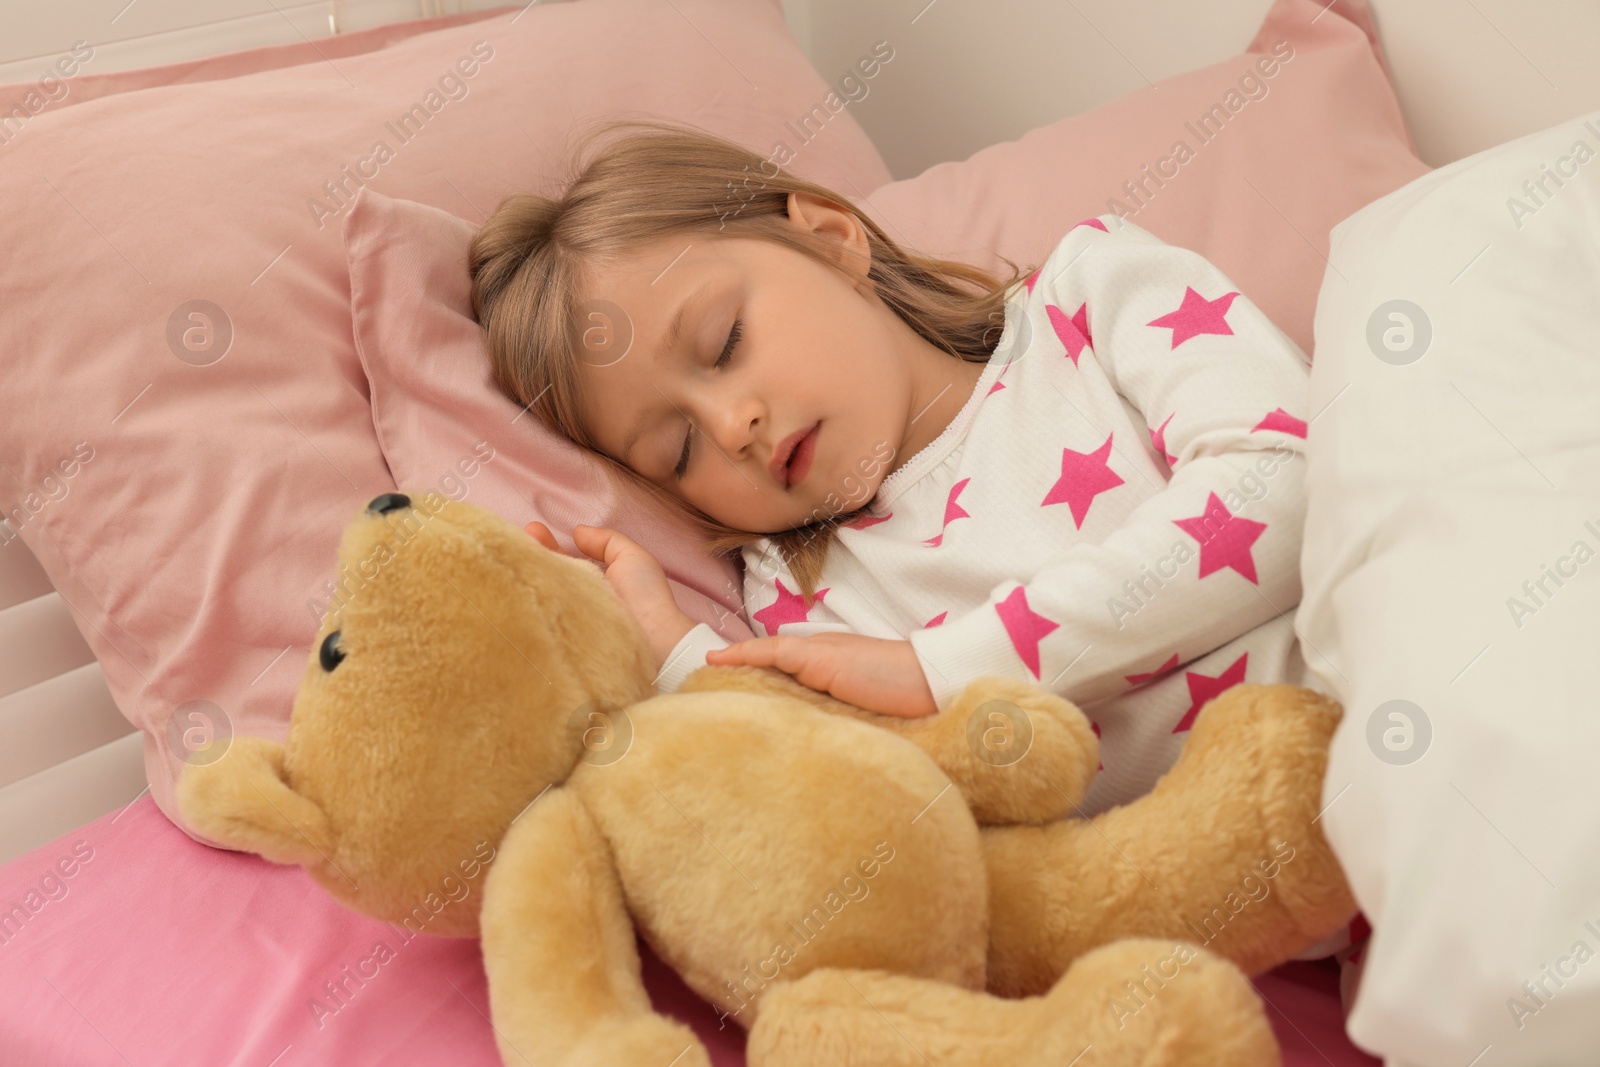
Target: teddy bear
477 747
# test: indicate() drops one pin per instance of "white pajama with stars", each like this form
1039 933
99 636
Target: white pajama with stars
1115 514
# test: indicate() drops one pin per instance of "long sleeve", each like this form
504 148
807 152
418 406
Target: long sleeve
771 593
687 656
1213 550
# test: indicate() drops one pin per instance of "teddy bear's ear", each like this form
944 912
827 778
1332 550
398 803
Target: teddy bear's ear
242 801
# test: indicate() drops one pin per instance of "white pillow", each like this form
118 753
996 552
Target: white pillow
1454 470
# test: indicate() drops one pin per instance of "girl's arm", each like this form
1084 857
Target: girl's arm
771 595
687 656
1215 552
642 585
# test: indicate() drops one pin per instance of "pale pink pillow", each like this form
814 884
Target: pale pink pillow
233 440
443 425
1323 138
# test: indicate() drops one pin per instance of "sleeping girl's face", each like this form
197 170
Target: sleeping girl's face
774 347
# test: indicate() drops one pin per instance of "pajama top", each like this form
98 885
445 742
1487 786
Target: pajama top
1115 514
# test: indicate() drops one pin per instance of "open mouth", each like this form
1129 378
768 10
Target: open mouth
800 459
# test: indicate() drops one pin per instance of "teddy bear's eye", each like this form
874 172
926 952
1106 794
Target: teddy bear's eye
330 653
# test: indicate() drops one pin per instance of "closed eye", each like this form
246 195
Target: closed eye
722 361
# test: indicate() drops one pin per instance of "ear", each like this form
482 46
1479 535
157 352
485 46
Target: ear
811 213
243 802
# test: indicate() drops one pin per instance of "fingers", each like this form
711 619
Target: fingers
787 654
605 544
600 542
541 533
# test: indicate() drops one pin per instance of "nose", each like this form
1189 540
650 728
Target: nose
731 420
384 503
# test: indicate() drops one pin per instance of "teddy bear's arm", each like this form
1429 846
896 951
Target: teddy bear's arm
1017 753
559 950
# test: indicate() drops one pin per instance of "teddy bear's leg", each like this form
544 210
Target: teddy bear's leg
1136 1003
558 946
1226 852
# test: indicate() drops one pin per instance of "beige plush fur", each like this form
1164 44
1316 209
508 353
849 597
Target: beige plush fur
490 757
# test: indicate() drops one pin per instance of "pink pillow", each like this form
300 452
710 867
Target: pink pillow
1322 136
177 298
443 424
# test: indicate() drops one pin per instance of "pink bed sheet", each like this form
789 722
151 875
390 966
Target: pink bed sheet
137 946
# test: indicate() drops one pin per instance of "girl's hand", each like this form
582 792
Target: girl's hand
637 578
870 672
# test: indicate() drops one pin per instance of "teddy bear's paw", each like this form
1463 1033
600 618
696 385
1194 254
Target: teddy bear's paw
1291 729
642 1041
1149 1003
844 1018
1030 755
1264 748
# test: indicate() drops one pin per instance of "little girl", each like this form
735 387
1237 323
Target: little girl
1090 477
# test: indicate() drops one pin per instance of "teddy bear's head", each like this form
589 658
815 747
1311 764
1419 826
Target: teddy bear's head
455 676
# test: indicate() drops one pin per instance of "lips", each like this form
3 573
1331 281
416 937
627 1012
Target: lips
782 473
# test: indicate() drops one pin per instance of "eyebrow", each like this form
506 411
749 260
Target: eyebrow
673 337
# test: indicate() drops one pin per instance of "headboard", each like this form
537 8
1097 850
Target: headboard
67 755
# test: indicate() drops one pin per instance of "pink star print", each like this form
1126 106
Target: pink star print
1084 475
935 621
1203 687
1140 679
1080 319
1032 279
1195 316
1096 223
952 511
1158 437
1279 419
1024 626
1074 332
861 522
1225 538
789 607
995 388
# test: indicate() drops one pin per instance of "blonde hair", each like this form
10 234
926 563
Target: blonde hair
526 263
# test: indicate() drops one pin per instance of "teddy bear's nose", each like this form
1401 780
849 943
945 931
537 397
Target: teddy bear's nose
384 503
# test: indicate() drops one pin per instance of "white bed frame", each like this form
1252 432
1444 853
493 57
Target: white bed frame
1469 74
